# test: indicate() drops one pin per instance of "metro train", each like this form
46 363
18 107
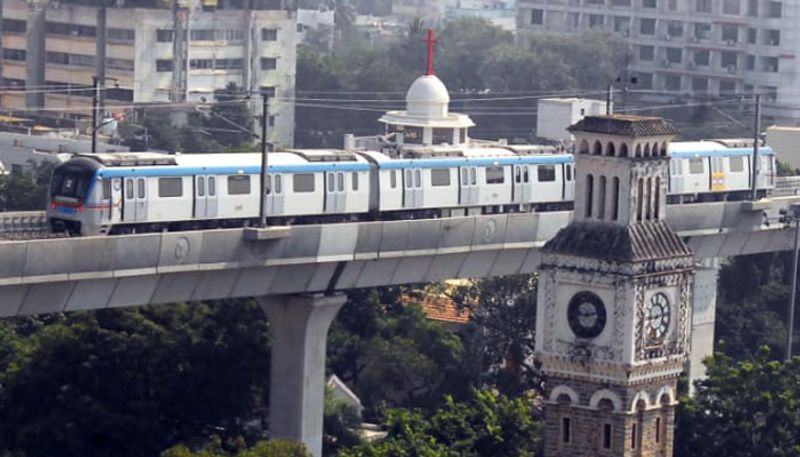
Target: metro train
97 194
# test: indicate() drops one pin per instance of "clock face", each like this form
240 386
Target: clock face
586 314
657 317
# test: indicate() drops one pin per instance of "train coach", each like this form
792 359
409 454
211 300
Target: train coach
97 194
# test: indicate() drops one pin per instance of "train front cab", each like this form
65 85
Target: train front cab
75 206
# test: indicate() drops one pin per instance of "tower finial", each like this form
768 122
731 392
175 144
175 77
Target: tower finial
431 42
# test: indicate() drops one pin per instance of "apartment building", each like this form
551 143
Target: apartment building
702 47
51 51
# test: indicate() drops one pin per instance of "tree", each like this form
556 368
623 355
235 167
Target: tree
134 381
271 448
744 409
341 421
26 191
486 424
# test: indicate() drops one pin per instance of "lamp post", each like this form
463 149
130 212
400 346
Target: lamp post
788 217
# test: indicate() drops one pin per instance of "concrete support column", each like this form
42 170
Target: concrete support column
704 306
299 326
35 54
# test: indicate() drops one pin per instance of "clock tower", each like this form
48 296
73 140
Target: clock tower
614 293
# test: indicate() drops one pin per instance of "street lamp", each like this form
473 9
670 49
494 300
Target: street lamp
788 217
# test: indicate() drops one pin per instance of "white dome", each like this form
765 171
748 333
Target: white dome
428 98
428 89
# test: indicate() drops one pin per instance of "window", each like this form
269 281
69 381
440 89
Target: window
201 64
201 186
303 182
228 64
769 64
537 16
622 24
702 57
730 7
417 178
699 84
750 62
702 30
164 35
278 184
61 58
703 6
672 82
675 55
271 121
393 179
164 65
774 10
728 59
566 430
115 93
129 189
606 436
596 21
495 175
696 166
269 63
727 87
14 54
649 3
201 35
75 30
340 182
568 172
730 33
647 27
440 177
14 26
354 178
171 187
106 189
239 185
212 186
269 34
409 183
546 173
140 187
675 28
464 177
525 175
269 90
658 429
771 37
633 436
752 35
645 81
117 64
473 176
120 34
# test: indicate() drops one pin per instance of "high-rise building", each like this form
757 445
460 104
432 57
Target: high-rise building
615 288
51 52
702 47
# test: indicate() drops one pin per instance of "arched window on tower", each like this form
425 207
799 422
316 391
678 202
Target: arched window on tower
657 199
623 150
601 198
649 202
589 196
639 199
598 148
606 438
615 200
664 149
646 151
610 149
584 148
638 151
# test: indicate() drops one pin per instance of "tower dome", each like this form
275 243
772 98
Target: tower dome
428 98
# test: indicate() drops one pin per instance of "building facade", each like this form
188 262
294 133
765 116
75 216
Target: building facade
702 47
51 51
615 287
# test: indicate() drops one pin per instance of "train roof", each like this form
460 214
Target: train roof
686 149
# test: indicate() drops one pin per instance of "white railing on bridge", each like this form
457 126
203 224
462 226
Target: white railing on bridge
23 222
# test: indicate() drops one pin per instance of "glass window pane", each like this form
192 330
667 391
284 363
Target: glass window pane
440 177
239 185
473 176
303 182
106 189
737 164
212 186
546 173
201 186
393 178
696 166
417 178
340 182
169 187
331 183
141 187
355 180
129 189
495 175
278 184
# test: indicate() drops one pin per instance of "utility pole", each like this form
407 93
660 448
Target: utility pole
789 216
95 108
264 161
756 138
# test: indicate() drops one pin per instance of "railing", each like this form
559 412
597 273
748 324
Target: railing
23 222
786 186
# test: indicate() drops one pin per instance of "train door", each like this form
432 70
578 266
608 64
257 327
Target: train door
522 184
135 201
335 195
412 182
469 186
115 212
275 195
717 175
205 197
569 182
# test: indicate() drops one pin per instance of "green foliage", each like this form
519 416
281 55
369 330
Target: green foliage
751 304
26 191
132 381
503 311
270 448
747 408
487 424
391 353
341 420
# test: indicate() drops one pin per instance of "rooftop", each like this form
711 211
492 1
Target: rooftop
624 125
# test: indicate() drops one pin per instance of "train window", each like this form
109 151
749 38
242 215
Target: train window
212 186
417 178
393 179
464 177
278 184
239 185
568 172
737 164
303 182
268 190
440 177
106 189
340 182
355 180
546 173
473 176
331 182
168 187
517 175
140 186
495 175
129 189
409 183
696 166
526 175
201 186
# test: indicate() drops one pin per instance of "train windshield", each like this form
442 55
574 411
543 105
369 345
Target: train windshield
68 186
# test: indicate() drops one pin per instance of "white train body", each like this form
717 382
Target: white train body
97 194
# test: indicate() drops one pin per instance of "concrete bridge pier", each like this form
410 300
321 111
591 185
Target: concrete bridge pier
704 306
299 326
